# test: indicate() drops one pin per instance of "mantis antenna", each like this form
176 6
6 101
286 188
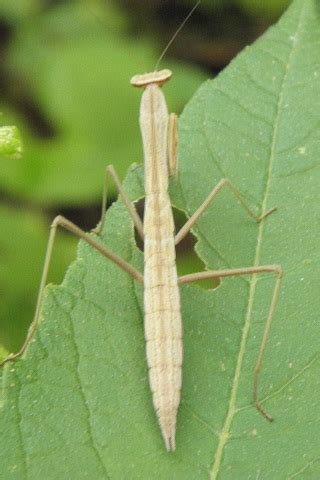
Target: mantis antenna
164 51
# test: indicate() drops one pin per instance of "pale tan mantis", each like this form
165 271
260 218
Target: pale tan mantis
162 324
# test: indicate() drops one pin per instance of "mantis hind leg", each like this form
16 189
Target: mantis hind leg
247 271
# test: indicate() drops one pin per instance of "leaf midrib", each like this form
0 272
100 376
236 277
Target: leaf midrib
225 432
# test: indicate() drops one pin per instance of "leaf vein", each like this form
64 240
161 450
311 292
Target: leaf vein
87 409
235 101
225 433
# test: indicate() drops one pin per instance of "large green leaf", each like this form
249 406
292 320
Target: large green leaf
78 404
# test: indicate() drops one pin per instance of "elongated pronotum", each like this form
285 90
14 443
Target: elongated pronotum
162 324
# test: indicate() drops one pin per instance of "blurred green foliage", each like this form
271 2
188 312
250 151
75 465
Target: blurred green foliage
17 11
76 71
264 8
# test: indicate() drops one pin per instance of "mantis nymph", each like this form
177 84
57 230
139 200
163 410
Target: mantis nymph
163 323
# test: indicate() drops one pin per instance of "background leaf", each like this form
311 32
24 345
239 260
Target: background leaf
78 405
78 78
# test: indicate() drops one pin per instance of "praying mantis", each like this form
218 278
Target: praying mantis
162 315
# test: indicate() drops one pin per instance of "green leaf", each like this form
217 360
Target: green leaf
10 142
78 404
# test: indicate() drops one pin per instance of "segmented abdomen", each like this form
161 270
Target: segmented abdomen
163 328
